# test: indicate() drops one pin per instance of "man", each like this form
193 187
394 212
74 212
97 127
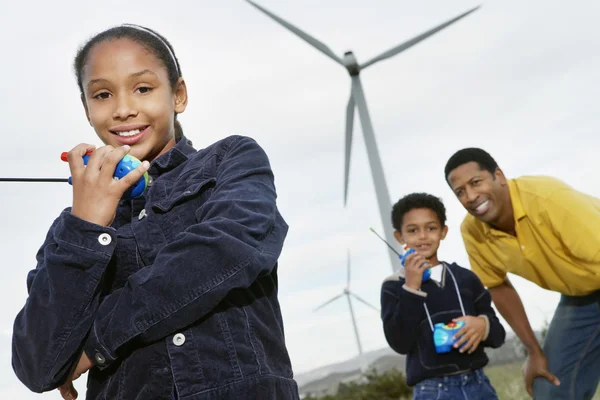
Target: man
548 233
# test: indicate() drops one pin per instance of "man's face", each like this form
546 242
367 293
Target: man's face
482 193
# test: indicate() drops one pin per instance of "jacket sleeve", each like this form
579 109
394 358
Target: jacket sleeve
239 238
496 333
401 311
63 295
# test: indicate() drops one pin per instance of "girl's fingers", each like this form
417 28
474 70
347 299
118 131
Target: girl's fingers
133 176
75 157
97 160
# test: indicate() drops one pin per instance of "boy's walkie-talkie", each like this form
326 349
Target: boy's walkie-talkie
125 166
443 336
407 252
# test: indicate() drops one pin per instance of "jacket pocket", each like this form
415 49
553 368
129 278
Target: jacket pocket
180 195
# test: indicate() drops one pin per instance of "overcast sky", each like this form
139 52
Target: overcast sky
516 78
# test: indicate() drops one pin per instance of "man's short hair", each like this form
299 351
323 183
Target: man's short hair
472 154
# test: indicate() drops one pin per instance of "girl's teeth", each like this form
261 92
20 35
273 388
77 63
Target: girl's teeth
129 133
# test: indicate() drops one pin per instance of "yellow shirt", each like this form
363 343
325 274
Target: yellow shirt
558 238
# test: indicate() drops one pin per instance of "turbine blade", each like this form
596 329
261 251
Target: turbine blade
303 35
348 281
409 43
364 301
328 302
349 128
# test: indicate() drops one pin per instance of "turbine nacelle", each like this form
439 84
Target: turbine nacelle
349 61
358 101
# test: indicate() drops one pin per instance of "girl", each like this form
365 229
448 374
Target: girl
172 295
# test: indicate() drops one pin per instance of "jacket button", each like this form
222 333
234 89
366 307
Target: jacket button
104 239
142 214
99 359
179 339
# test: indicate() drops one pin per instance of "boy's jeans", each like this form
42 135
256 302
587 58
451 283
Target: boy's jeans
473 385
572 347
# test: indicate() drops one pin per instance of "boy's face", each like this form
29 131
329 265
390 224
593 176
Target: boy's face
484 195
422 231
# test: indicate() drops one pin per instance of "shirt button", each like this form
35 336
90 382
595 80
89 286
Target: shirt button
523 247
100 360
142 214
104 239
179 339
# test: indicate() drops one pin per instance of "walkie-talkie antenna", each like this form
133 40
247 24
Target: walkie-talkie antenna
34 180
384 241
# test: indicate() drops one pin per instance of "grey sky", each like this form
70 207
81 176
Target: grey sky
517 78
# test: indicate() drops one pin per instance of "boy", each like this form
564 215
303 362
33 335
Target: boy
410 308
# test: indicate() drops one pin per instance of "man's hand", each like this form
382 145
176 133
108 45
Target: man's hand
471 334
67 390
535 366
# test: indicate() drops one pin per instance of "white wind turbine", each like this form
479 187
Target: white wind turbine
348 293
357 100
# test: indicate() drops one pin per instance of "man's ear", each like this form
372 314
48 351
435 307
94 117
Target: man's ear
499 174
85 107
399 237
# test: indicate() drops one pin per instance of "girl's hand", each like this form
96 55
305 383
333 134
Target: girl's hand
414 266
96 194
67 390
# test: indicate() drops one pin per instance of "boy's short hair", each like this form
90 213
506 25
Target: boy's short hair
472 154
417 200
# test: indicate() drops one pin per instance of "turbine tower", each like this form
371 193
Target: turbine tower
357 100
348 293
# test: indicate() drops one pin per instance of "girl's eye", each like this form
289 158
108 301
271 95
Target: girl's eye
102 96
144 89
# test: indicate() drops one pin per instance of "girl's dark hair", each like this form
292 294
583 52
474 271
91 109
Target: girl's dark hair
417 200
149 39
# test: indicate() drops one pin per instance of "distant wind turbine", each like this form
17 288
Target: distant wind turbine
346 292
357 100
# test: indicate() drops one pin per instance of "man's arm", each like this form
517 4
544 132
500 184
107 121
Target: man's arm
508 302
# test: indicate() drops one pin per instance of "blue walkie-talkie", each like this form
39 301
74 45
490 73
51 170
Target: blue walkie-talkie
407 251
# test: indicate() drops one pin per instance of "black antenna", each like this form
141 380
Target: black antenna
384 241
34 180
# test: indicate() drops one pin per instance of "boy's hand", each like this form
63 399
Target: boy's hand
471 334
414 266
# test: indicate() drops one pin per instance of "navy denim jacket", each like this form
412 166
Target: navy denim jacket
177 298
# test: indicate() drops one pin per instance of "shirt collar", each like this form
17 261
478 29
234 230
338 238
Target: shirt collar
173 157
515 199
517 206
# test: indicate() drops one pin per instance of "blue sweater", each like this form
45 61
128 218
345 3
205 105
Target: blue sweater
407 328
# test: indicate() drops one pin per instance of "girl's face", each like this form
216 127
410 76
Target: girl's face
128 98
